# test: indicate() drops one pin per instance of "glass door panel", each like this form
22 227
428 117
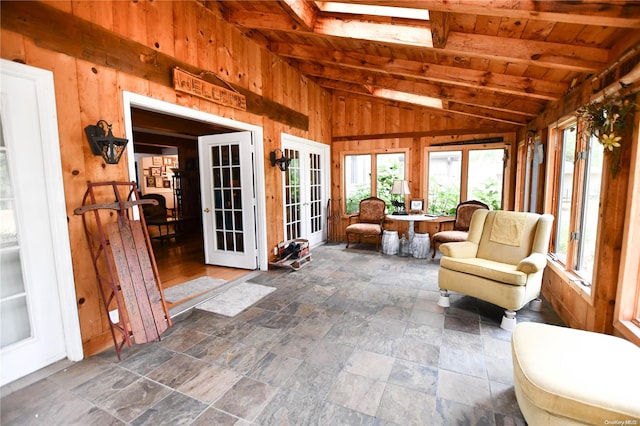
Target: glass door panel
445 173
486 171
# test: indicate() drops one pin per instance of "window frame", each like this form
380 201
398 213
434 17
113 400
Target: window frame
374 164
464 164
626 318
581 167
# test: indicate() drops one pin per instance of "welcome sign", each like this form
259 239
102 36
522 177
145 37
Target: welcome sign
193 85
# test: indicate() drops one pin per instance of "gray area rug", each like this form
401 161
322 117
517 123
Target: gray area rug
235 300
191 288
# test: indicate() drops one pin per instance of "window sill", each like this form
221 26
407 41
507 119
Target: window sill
572 280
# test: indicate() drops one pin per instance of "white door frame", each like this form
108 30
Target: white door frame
54 184
297 142
130 100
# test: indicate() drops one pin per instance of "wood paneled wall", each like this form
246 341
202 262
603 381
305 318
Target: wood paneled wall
89 89
364 125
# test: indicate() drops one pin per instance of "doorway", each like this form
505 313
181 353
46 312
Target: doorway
159 128
39 318
305 189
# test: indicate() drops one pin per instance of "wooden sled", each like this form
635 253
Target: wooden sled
124 264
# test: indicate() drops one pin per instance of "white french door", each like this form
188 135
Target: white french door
305 189
39 322
228 200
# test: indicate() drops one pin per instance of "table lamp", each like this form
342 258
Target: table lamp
400 187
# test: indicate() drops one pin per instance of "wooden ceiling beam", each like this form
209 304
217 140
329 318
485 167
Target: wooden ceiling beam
439 22
541 53
503 83
612 13
485 114
304 12
545 54
496 101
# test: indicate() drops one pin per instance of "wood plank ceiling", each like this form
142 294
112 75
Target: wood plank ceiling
500 60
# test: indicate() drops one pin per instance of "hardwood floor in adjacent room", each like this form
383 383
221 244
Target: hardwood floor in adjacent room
182 259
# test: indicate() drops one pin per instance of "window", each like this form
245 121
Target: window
367 174
578 163
469 172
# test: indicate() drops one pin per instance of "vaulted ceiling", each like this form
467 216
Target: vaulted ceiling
501 60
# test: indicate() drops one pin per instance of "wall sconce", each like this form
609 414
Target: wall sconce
109 147
282 162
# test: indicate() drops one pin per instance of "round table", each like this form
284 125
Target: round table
411 218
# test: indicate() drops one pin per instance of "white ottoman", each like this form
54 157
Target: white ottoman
420 246
564 376
390 242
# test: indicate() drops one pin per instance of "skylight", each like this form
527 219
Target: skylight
365 9
407 97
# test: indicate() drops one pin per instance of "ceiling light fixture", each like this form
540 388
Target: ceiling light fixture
366 9
408 97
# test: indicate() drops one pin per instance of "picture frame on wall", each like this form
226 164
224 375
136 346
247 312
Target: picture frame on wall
155 171
157 161
167 161
416 205
151 181
159 183
166 183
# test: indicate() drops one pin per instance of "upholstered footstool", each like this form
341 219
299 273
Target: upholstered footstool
564 376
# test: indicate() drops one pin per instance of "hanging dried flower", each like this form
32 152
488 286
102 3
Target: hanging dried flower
610 141
605 120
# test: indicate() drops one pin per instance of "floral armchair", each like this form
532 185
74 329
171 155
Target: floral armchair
464 211
369 220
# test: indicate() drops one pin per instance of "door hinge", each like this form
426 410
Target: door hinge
575 236
581 155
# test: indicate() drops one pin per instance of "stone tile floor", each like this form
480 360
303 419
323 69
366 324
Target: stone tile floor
355 337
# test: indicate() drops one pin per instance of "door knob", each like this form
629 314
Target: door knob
207 210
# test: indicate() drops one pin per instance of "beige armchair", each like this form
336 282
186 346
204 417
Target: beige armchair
369 220
501 262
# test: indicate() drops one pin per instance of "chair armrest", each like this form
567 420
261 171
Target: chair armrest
351 216
533 263
460 250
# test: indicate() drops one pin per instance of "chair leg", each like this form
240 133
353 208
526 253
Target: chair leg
433 244
443 300
508 320
347 235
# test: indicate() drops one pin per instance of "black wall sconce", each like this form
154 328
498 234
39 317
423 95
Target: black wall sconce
108 146
282 162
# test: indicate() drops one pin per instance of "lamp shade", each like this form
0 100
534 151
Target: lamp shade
400 187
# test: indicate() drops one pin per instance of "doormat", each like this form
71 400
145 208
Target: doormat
235 300
191 288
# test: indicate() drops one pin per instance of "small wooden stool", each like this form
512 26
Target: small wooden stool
564 376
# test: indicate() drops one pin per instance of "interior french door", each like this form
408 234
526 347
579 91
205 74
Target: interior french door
304 190
228 200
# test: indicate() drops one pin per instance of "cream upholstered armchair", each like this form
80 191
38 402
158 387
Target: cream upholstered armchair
369 220
501 262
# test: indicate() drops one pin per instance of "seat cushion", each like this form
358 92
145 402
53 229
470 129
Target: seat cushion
364 229
496 271
450 236
575 374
